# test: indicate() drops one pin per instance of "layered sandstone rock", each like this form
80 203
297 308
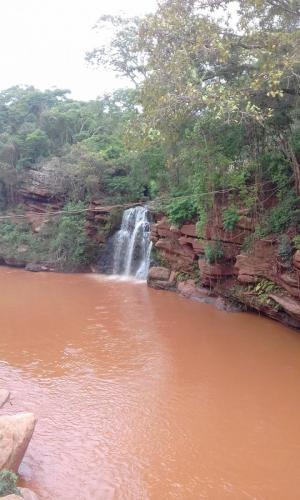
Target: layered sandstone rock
45 183
159 273
215 272
161 278
15 434
291 306
182 251
250 268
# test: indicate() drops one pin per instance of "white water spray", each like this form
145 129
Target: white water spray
132 245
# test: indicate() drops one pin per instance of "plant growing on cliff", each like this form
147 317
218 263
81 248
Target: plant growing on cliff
70 246
262 290
181 209
230 218
16 240
281 216
200 226
296 241
8 483
213 252
182 276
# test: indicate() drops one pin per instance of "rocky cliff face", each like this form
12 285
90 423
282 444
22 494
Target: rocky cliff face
228 264
39 197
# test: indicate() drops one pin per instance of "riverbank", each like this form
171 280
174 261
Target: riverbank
231 268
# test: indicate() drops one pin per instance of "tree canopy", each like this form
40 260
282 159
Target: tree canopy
218 85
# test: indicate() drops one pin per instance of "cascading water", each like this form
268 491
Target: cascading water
132 245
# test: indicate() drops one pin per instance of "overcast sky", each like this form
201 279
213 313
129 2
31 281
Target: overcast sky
43 43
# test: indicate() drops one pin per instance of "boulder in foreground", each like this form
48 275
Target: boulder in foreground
25 493
15 434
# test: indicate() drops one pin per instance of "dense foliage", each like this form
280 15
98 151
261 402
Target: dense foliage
218 83
85 142
62 243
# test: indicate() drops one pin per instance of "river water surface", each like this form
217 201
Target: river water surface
141 394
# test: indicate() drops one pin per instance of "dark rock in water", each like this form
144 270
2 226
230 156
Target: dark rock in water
159 273
36 268
161 278
13 262
105 263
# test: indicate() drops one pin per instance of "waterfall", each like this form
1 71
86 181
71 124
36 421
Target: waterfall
132 245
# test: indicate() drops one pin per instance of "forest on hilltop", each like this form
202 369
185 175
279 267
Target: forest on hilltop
213 108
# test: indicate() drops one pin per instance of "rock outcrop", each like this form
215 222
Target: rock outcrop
36 268
161 278
45 183
219 265
15 434
25 493
11 497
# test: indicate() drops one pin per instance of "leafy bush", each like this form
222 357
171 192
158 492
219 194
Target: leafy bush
262 290
16 240
296 242
70 246
62 242
230 218
201 223
213 252
183 276
181 209
8 483
283 215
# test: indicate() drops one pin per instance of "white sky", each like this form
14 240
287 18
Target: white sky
43 43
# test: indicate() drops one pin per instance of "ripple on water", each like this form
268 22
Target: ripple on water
143 395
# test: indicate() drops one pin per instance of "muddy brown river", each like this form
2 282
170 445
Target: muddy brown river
143 395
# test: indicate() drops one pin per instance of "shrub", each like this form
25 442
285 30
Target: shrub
230 218
62 242
70 246
213 252
283 215
262 290
183 276
200 226
15 237
181 209
296 242
8 483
